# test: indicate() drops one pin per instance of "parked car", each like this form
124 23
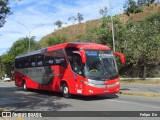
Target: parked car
6 79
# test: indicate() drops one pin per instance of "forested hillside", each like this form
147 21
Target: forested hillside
137 36
78 31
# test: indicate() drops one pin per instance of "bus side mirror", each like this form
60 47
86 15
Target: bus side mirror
121 56
83 56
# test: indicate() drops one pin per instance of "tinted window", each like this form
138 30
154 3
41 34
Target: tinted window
40 60
19 63
22 62
46 59
60 58
33 61
76 64
49 58
55 58
26 62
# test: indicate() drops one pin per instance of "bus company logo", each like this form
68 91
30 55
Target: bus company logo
21 114
6 114
105 91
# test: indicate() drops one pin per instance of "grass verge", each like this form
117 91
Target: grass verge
153 82
139 94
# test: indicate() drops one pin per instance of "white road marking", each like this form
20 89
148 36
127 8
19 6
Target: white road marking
135 104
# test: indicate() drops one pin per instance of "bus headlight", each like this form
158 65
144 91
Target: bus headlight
90 84
117 83
113 85
87 83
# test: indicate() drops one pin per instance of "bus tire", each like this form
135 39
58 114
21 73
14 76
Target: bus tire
65 91
25 86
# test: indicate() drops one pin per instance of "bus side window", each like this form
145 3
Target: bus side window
76 64
33 61
60 58
55 58
40 60
19 63
49 58
26 62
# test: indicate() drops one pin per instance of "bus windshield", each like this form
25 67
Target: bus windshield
100 65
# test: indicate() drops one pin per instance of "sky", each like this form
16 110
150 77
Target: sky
37 17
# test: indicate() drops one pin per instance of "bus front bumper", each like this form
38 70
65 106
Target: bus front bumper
90 90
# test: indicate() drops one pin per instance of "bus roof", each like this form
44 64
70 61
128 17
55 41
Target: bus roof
78 45
32 53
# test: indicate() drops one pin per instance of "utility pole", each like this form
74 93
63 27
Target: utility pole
29 33
114 49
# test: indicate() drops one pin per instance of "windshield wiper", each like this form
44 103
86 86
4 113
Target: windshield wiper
94 77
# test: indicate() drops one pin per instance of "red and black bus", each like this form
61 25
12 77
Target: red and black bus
71 68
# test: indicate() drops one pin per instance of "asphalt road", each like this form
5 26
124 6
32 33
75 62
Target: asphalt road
155 89
14 98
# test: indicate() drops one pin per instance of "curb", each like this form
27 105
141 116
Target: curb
139 94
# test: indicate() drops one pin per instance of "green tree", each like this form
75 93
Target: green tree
103 11
104 31
7 61
103 34
2 72
55 41
72 19
91 36
145 2
19 47
150 1
141 2
79 17
4 11
142 45
131 7
58 23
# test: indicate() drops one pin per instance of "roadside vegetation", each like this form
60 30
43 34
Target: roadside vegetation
4 11
140 94
136 36
136 82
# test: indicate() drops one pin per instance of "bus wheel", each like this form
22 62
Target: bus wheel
65 91
25 86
